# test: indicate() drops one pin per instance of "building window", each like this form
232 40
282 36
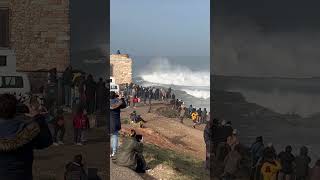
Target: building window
11 82
4 27
3 61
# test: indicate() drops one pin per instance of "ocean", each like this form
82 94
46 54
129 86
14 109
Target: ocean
188 76
299 96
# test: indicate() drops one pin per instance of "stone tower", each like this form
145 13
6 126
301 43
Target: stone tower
121 68
38 33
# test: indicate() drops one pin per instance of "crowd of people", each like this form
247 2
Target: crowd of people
75 88
77 92
130 153
224 149
134 93
37 121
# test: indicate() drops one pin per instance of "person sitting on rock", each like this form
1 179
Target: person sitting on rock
130 153
133 117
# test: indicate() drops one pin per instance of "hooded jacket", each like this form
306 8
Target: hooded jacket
18 137
128 153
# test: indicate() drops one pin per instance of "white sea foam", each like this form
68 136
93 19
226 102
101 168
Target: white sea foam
161 71
203 94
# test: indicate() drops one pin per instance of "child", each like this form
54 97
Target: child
78 120
85 127
59 128
75 170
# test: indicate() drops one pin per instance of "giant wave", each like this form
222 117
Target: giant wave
162 72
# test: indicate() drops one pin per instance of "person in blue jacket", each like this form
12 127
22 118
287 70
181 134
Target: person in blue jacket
19 136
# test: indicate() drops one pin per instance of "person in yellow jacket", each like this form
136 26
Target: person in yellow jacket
194 117
270 169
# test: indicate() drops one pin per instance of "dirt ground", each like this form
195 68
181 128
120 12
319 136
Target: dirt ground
49 164
169 132
166 133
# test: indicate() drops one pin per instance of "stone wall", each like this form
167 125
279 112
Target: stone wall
40 34
121 67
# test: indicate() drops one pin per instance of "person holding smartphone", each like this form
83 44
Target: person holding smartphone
116 104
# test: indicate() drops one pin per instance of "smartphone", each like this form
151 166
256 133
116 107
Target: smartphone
139 137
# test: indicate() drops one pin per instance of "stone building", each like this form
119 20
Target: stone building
121 68
37 32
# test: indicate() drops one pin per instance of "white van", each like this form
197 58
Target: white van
14 83
113 86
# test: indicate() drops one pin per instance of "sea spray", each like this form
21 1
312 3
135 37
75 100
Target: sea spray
203 94
162 71
192 86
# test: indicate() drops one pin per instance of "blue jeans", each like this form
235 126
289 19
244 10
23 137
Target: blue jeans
114 141
67 95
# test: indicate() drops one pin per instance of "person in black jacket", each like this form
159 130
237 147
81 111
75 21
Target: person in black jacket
67 82
90 92
208 138
19 136
286 159
116 105
101 96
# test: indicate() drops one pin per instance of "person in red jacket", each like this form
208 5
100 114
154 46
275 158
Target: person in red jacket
78 125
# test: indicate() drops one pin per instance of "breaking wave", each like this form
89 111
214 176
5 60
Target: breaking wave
161 71
202 94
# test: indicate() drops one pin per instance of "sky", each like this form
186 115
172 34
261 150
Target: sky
89 34
160 27
266 38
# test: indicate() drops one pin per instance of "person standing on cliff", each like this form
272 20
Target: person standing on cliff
116 105
67 82
90 94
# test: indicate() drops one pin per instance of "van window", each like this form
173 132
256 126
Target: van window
11 82
114 87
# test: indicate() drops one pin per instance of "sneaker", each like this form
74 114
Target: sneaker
55 144
60 143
